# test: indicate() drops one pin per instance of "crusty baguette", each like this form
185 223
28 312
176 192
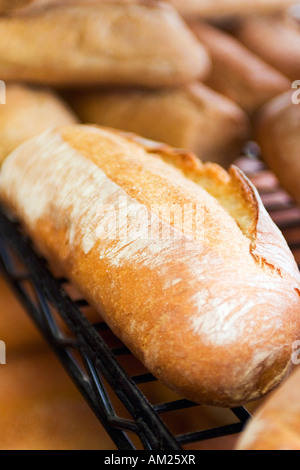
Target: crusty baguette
237 72
41 409
180 258
276 41
220 8
276 425
194 117
27 113
278 134
141 43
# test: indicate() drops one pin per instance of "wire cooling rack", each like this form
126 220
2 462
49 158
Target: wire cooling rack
135 409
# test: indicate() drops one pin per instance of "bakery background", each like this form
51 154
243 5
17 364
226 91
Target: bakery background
216 80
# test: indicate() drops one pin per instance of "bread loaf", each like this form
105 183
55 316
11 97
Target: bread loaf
28 112
193 117
276 41
21 6
180 258
219 8
41 409
278 134
7 5
276 425
140 43
237 72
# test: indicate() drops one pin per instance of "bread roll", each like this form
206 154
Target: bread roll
40 408
193 117
276 425
180 258
278 134
237 72
219 8
139 43
17 6
27 113
276 41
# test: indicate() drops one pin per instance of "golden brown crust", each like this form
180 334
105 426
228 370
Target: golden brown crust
194 117
275 425
277 131
220 8
237 72
207 317
29 112
275 40
84 44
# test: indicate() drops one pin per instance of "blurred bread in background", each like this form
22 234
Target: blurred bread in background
41 409
237 72
7 5
275 40
276 424
278 134
16 330
219 8
28 112
192 117
137 43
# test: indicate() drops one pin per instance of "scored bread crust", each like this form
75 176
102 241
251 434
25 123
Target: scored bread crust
212 309
96 44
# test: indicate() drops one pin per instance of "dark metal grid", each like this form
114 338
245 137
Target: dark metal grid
42 295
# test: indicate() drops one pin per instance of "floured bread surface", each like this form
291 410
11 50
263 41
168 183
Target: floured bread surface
193 117
6 5
277 132
180 257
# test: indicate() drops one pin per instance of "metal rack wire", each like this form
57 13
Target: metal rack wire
96 360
